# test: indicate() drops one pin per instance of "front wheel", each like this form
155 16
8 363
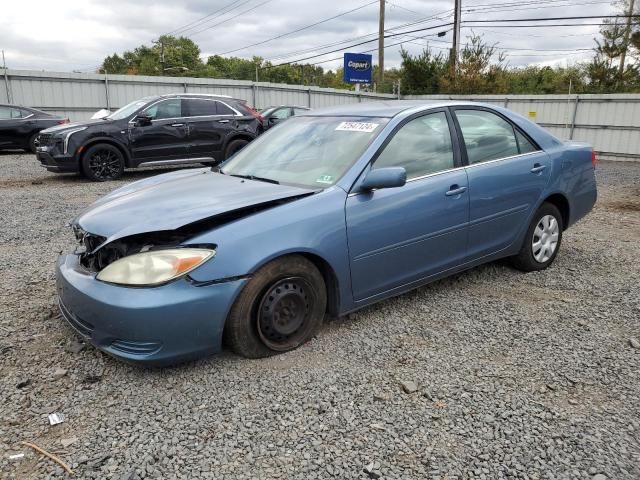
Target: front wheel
281 308
32 143
542 241
102 162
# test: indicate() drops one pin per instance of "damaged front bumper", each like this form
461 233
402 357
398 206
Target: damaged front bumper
157 326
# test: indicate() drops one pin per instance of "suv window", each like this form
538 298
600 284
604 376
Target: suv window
486 135
170 108
223 109
196 107
422 146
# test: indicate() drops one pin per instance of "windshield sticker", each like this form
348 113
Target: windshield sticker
357 127
325 179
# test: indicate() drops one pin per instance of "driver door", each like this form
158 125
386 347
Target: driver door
166 138
399 236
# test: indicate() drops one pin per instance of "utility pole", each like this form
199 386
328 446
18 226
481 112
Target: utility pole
627 34
381 44
457 13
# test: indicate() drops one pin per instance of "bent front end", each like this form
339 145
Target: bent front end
155 326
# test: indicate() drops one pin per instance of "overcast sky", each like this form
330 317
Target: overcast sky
65 35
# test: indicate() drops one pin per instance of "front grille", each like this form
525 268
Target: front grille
83 327
136 348
45 140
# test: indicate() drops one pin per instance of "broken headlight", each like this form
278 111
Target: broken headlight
154 267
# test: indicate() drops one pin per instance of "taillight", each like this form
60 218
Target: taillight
254 112
594 160
63 121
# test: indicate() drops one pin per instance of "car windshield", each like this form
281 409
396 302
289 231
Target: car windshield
128 109
307 151
267 111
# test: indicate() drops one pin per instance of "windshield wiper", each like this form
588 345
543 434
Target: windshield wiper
253 177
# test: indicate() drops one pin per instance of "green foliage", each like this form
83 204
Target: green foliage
480 69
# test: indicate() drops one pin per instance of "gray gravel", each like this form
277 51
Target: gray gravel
489 374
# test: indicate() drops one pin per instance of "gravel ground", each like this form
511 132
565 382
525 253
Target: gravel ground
488 374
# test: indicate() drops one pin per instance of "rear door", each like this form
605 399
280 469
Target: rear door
398 236
507 174
16 125
210 124
166 138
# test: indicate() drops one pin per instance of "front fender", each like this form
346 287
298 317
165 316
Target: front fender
312 225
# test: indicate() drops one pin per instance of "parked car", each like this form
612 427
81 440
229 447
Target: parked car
20 126
159 130
273 115
330 212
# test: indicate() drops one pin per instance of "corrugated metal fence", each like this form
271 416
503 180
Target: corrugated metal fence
77 95
609 122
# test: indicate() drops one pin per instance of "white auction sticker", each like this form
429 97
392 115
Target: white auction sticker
357 127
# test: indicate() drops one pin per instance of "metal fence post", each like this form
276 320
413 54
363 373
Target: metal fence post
309 98
254 95
506 102
575 114
6 86
184 87
106 90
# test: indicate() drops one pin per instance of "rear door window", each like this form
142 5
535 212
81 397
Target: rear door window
486 135
223 109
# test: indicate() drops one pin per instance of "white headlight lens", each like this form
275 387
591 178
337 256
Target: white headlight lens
154 267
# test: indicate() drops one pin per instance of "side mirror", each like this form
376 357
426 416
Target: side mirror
272 120
143 120
388 177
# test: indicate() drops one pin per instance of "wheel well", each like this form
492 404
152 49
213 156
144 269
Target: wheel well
330 280
87 146
562 204
240 136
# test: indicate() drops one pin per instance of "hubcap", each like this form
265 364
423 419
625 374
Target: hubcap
284 309
545 238
104 164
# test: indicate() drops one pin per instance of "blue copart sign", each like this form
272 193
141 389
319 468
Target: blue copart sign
358 68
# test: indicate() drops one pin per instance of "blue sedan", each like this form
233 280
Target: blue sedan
331 211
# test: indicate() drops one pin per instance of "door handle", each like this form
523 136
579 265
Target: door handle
223 121
177 124
537 168
455 190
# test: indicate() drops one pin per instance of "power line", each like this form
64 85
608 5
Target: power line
203 20
301 28
230 18
333 44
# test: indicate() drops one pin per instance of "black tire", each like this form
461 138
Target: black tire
526 259
102 162
281 307
32 143
235 146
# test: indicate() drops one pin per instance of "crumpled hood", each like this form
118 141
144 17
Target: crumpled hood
176 199
71 126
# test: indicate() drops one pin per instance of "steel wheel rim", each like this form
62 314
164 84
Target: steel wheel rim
284 312
545 239
104 164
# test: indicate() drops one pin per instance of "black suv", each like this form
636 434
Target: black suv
20 126
161 130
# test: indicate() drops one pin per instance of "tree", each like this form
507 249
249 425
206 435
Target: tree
420 74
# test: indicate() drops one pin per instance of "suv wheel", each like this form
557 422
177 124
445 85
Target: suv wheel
234 146
102 162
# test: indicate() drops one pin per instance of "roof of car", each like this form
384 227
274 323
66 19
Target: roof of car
387 108
187 94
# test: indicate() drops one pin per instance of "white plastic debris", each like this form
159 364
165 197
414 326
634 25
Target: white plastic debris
17 456
56 418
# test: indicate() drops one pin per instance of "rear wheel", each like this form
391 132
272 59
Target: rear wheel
235 146
542 241
32 143
281 308
102 162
